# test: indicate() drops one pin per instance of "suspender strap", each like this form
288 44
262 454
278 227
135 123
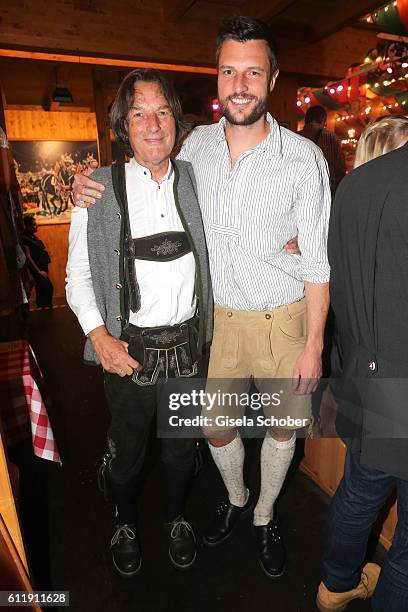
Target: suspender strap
132 292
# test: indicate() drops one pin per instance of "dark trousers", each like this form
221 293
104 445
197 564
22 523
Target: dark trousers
359 498
43 291
132 410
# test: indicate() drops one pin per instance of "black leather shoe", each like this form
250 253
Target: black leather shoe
182 543
126 556
271 551
227 516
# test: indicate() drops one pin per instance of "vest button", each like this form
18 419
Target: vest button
119 318
118 215
118 286
372 366
267 316
116 251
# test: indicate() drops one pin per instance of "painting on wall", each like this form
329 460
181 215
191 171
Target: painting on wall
45 170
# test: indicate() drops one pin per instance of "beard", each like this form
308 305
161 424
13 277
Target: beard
257 112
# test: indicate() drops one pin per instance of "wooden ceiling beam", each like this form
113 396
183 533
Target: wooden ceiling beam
174 9
337 15
263 9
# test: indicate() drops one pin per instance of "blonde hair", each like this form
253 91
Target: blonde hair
382 135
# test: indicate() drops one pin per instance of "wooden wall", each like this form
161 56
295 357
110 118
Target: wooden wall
282 102
55 237
139 30
49 125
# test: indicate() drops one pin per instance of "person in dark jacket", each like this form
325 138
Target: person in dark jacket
368 254
38 261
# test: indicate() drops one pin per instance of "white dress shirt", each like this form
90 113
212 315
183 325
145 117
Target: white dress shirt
277 190
167 289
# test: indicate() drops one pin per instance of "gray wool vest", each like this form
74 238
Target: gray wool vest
105 252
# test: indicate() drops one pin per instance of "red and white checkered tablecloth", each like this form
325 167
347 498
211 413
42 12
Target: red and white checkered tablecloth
22 407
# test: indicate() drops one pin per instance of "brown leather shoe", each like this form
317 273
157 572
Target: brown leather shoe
328 601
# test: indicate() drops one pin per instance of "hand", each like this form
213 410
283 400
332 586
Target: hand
292 247
85 190
112 353
307 371
43 274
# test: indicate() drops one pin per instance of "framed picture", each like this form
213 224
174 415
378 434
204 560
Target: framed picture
45 170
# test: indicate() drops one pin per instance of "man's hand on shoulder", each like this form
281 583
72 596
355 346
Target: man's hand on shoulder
85 190
112 352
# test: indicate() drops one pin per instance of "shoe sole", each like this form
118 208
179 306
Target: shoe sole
125 574
182 567
271 576
323 608
230 533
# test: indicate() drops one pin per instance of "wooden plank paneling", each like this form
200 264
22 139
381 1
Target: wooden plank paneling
335 16
282 102
137 31
174 9
55 238
43 125
265 10
102 118
8 508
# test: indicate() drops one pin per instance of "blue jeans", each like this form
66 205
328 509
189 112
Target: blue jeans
355 507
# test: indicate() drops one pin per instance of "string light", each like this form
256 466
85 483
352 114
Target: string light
332 90
340 88
307 99
299 103
389 70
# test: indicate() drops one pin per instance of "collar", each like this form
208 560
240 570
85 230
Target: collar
271 145
144 173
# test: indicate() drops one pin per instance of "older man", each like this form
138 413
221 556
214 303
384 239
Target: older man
259 185
138 281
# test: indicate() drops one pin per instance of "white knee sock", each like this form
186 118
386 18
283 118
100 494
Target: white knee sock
275 461
229 459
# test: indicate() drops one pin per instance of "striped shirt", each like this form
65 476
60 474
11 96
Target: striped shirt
277 190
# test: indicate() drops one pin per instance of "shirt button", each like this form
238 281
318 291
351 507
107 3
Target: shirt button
118 286
267 316
119 318
162 216
229 314
118 215
372 366
116 251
